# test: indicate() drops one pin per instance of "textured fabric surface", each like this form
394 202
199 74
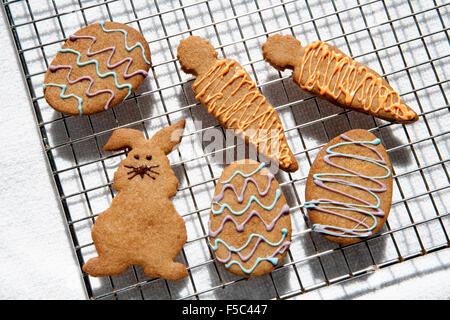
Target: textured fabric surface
36 255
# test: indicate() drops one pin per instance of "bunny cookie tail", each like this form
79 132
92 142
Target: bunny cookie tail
100 267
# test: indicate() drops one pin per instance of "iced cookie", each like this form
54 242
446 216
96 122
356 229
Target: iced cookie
250 227
141 227
349 187
328 73
97 67
227 91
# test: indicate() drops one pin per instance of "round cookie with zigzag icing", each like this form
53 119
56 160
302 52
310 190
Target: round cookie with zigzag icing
250 226
349 188
97 67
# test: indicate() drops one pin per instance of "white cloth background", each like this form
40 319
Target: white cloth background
36 256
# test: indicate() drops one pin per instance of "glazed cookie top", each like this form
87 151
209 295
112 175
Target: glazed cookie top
229 93
97 67
326 71
349 187
250 227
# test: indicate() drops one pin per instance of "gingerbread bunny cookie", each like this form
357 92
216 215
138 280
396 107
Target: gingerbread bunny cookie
141 227
327 72
227 91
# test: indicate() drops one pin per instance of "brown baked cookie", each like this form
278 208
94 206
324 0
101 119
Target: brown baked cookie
349 187
96 68
228 92
327 72
250 227
141 227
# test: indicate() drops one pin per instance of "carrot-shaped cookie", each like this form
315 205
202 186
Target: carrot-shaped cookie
327 72
227 91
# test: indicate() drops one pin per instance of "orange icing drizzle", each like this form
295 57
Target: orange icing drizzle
345 72
263 116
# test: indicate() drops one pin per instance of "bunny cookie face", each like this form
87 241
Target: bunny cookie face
143 167
146 167
141 227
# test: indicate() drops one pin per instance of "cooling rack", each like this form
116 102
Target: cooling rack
405 41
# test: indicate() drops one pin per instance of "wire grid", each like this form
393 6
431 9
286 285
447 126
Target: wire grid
407 42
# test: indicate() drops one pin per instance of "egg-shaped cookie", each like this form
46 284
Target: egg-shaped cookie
349 187
250 226
96 68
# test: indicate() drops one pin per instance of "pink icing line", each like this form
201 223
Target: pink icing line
240 227
240 197
380 160
382 188
108 62
322 184
318 227
88 93
280 250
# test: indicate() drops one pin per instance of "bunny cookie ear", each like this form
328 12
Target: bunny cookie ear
282 51
124 138
167 138
196 55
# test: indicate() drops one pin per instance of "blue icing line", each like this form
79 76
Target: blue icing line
62 95
374 142
237 172
232 249
317 177
311 204
138 44
224 206
274 261
349 206
322 229
81 64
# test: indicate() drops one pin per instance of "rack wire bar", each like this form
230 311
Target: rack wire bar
405 41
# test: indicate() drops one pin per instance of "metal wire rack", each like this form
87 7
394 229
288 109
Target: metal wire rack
406 41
